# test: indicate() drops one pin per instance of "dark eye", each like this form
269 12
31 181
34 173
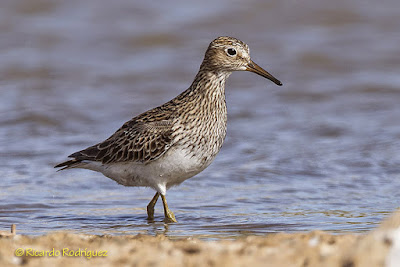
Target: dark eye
231 51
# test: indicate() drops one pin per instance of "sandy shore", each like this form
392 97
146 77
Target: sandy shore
380 247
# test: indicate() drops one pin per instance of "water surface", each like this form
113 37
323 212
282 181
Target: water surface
321 152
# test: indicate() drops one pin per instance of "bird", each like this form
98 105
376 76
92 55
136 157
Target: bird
173 142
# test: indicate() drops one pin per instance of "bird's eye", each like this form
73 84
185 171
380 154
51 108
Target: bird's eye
231 51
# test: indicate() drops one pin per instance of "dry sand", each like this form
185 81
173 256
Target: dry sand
380 247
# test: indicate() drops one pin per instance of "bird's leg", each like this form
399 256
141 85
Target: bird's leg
150 207
169 215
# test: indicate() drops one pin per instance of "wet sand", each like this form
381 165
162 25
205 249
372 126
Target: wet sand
380 247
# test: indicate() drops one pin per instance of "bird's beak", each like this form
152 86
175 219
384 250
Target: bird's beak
253 67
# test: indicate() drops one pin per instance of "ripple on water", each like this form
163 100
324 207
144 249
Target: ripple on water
321 152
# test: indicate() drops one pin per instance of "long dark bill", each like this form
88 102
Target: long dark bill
253 67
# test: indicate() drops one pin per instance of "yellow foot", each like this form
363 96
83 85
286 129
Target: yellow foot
150 207
150 214
169 215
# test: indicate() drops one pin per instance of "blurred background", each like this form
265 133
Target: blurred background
320 152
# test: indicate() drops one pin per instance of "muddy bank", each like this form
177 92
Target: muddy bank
380 247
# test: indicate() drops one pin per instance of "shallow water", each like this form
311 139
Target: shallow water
321 152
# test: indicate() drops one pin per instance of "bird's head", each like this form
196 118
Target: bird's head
230 54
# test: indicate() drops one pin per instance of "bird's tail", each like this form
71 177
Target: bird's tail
68 164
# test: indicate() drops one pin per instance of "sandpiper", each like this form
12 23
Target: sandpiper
168 144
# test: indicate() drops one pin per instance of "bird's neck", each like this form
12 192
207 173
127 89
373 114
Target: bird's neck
207 90
210 82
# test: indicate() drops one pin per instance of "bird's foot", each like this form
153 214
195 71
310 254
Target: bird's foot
150 214
150 207
169 217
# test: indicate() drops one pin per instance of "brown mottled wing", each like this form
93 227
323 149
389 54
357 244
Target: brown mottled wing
134 141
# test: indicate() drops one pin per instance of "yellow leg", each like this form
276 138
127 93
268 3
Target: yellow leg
169 215
150 207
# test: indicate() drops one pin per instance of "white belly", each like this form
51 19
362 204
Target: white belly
171 169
